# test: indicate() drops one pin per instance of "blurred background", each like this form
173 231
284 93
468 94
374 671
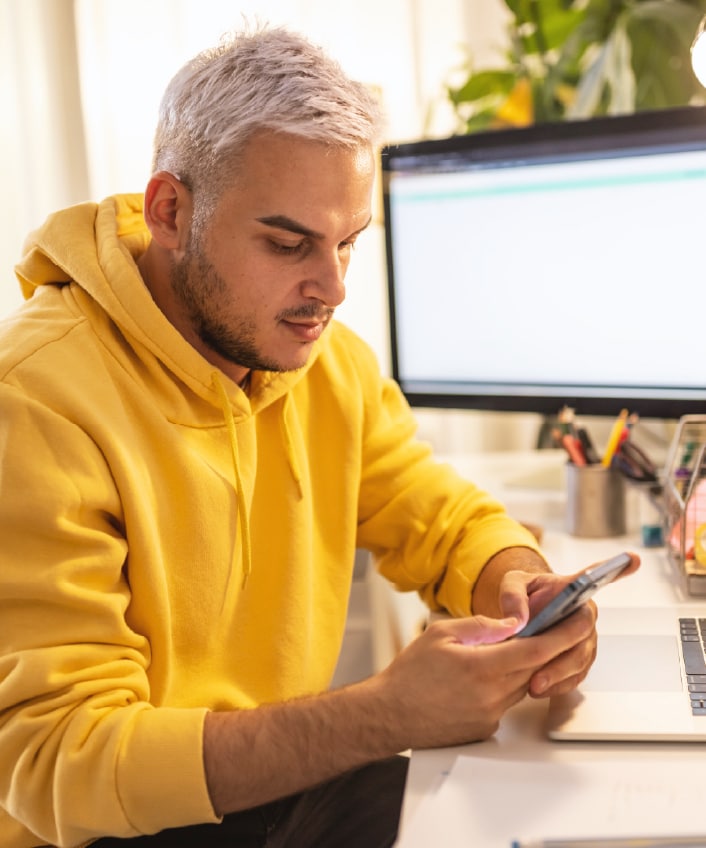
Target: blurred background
81 81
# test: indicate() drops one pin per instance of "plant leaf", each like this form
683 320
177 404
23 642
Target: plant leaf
661 33
682 17
483 84
588 57
589 91
620 79
543 25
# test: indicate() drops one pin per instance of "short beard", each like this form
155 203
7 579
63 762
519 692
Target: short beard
203 294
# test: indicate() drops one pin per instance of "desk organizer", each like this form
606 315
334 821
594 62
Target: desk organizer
684 494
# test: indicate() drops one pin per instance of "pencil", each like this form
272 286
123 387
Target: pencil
614 438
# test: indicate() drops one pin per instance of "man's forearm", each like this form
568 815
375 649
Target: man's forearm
450 685
255 756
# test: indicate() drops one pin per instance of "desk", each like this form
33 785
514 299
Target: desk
521 733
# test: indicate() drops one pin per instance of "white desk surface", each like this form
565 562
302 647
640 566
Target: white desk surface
656 584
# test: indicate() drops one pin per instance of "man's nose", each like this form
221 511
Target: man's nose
326 281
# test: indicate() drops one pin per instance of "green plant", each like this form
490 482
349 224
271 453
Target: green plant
572 59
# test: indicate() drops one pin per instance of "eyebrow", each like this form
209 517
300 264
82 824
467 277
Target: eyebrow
284 222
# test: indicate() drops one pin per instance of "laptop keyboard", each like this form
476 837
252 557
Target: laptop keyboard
692 632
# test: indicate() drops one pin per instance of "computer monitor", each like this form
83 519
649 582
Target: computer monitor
555 265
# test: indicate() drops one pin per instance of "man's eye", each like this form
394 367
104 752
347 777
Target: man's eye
288 249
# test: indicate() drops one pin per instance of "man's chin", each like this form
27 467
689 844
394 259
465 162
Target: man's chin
289 359
280 366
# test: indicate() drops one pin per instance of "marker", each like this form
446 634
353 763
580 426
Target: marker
614 438
573 447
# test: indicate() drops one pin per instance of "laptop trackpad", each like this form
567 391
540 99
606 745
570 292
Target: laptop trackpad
633 663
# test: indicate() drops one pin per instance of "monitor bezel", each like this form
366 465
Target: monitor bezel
626 133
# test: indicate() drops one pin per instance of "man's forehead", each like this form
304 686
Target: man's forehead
271 153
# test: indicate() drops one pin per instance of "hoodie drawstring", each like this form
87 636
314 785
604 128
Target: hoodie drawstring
243 518
289 445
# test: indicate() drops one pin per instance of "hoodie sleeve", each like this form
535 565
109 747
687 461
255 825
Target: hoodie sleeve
431 530
83 753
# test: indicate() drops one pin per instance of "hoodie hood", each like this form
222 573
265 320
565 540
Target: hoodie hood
94 248
100 259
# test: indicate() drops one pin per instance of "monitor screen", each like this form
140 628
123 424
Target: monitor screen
559 264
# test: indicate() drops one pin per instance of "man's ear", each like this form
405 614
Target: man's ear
168 211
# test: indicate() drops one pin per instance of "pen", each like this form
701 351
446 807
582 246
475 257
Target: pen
622 842
614 437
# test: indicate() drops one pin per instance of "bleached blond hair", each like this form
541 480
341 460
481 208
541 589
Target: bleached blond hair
268 78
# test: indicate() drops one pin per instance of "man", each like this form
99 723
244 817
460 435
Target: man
191 453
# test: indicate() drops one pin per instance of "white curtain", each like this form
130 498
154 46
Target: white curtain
42 145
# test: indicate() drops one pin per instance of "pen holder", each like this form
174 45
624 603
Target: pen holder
595 501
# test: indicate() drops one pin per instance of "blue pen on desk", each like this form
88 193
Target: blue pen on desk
622 842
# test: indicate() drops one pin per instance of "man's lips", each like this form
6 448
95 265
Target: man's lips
309 328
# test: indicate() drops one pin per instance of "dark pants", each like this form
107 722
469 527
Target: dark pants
360 808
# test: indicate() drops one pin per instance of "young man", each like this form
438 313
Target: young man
191 452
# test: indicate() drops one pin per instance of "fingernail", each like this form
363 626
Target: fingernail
539 684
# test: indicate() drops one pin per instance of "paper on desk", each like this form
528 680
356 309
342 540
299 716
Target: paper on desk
489 803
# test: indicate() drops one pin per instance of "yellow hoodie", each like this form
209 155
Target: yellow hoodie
171 545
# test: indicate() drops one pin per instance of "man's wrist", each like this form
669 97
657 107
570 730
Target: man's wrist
485 599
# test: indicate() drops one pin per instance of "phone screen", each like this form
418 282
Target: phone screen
576 594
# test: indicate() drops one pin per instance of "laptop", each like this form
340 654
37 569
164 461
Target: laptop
638 688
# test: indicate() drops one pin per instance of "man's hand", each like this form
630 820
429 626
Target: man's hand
523 595
455 682
451 684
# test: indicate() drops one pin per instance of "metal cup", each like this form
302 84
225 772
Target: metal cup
595 501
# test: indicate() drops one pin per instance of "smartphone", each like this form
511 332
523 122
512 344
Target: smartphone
576 594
